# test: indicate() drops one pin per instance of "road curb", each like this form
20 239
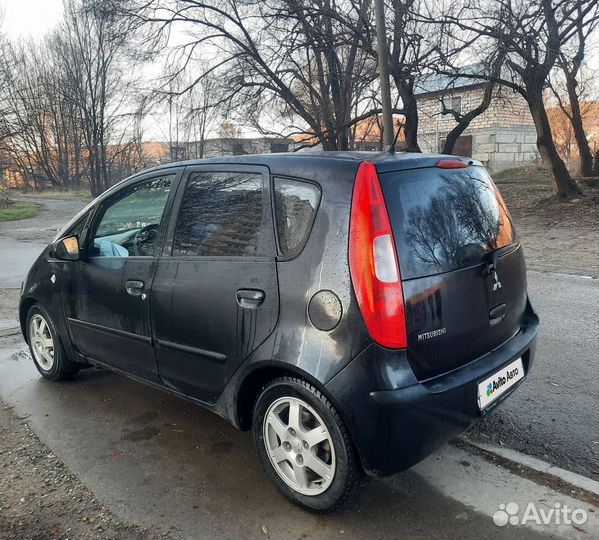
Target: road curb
543 467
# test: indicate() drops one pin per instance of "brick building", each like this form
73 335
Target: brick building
503 136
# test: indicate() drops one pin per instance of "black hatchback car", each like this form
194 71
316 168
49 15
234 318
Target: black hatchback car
355 310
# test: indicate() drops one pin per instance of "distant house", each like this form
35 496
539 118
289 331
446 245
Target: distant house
503 136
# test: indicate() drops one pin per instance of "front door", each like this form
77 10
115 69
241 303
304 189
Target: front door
216 298
106 295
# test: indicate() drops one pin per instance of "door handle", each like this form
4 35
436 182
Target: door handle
497 314
250 298
134 287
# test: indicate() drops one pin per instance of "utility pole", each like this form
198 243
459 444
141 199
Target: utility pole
381 39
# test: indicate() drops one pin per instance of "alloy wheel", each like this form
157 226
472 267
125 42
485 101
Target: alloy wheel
299 445
42 343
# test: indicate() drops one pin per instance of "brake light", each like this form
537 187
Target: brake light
373 262
451 164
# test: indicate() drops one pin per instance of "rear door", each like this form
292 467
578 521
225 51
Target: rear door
463 271
215 294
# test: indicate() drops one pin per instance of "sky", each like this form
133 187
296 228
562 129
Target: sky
24 18
34 18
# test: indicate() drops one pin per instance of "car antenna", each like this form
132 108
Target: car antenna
391 148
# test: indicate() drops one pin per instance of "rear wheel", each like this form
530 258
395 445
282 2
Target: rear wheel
304 446
45 346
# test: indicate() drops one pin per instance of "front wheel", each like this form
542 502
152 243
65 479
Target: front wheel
304 446
45 346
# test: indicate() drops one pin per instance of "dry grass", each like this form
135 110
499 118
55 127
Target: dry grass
80 195
528 191
526 174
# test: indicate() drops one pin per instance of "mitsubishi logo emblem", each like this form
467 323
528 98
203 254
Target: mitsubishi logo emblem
492 271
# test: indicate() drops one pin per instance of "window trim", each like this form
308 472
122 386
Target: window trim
270 240
298 251
122 192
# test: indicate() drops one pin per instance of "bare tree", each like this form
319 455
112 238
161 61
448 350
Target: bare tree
561 114
190 113
94 48
571 62
201 115
413 48
490 91
532 35
299 60
39 121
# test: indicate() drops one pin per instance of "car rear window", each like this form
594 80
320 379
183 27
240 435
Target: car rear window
221 215
444 219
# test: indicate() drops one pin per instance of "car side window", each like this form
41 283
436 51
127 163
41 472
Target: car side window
295 207
221 215
131 224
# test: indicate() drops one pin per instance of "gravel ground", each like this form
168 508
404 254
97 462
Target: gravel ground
558 236
41 499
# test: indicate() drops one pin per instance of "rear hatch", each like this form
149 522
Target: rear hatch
462 269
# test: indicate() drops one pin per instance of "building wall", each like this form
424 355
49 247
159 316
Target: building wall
503 136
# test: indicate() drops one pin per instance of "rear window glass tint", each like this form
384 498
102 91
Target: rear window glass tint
444 220
295 207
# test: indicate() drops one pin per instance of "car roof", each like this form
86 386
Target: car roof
315 165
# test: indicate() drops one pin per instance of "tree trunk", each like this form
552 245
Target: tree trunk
584 152
452 138
596 166
463 121
329 141
564 186
406 92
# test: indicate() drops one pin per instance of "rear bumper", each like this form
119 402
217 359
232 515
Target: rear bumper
396 421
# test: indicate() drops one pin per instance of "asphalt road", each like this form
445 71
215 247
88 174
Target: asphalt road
553 416
22 241
167 465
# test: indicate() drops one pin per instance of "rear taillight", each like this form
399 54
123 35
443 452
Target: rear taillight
373 262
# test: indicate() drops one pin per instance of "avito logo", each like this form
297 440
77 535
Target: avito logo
500 381
556 515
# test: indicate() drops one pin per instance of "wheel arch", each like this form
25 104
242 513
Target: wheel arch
24 307
253 380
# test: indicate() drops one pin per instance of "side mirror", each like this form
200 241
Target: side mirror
67 249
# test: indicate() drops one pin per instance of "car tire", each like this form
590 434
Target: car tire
308 453
46 347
